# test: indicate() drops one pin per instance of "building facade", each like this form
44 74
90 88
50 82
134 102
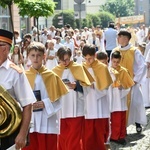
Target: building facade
142 7
22 25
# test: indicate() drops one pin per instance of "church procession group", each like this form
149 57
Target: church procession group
77 90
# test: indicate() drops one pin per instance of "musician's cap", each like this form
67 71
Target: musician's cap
6 36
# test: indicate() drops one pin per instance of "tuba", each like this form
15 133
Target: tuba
10 113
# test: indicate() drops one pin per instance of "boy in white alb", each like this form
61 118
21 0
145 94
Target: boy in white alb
96 105
48 89
122 82
133 60
77 78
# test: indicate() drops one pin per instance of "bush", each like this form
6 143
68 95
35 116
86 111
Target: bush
105 18
95 19
68 19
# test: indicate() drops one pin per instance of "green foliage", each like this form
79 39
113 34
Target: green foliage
94 19
36 8
5 3
68 18
105 18
102 18
119 8
87 22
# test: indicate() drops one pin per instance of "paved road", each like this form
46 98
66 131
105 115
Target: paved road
136 141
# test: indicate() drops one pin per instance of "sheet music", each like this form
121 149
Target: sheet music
13 148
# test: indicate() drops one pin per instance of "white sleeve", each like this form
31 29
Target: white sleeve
100 93
148 56
51 108
124 92
23 91
139 67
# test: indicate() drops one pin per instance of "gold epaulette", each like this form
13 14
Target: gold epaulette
17 68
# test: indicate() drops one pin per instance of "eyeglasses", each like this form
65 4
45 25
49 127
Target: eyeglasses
66 60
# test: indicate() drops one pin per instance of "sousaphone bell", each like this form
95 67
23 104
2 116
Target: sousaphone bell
10 114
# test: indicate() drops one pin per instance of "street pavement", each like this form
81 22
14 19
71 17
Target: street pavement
134 140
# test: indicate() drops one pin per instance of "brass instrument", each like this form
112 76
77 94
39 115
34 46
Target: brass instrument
10 113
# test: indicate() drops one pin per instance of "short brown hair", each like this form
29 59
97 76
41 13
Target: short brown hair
101 55
63 51
88 50
37 46
116 55
125 33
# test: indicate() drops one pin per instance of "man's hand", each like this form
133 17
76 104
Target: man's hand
20 141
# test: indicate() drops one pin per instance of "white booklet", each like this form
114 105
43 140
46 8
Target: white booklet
13 147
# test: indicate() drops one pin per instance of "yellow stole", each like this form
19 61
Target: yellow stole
122 78
54 86
127 59
101 74
79 73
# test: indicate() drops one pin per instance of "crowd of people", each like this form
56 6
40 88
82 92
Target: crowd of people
92 84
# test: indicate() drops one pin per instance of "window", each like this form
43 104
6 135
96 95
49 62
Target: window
4 18
58 4
140 8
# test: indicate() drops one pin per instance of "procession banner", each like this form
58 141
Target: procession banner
130 19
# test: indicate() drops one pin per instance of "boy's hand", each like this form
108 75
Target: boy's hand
92 86
38 105
148 65
71 85
120 87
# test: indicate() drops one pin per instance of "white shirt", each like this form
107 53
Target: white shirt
44 38
147 52
69 45
52 33
79 59
111 38
57 46
16 84
97 41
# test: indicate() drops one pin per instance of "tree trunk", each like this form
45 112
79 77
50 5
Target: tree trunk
38 28
11 21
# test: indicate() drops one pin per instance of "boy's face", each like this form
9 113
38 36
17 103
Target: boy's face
104 61
66 61
89 59
115 62
36 58
122 40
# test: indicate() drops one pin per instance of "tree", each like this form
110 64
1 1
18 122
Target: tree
8 3
119 8
36 8
68 18
95 19
87 22
105 18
